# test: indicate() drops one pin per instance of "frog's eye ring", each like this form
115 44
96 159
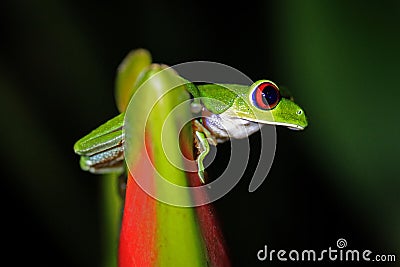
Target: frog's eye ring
266 96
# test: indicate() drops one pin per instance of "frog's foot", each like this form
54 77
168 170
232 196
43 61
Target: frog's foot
203 139
198 127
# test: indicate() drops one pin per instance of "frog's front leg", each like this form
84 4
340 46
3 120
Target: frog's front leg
203 139
102 150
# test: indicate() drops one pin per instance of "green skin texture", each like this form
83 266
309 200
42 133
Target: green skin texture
235 100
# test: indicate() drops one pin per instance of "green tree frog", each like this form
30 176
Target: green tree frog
227 111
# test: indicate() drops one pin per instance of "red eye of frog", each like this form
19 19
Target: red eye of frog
266 96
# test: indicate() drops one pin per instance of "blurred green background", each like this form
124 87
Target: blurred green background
338 179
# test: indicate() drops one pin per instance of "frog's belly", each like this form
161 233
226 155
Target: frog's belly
224 127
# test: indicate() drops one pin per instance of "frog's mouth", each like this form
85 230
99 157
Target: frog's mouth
297 128
290 126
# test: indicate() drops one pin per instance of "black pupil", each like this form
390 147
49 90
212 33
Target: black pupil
270 95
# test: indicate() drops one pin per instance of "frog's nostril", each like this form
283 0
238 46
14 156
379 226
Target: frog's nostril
299 112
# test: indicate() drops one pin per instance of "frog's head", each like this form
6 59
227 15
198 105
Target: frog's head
265 105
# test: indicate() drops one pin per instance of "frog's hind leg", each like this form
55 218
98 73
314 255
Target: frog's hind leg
203 139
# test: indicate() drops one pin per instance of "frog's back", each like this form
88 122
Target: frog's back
217 98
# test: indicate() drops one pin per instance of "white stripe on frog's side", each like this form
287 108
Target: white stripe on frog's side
225 125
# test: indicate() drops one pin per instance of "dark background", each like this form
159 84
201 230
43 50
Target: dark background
337 179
